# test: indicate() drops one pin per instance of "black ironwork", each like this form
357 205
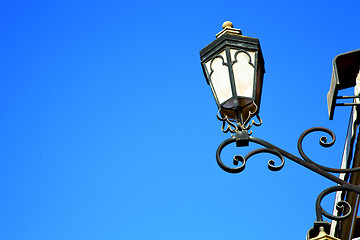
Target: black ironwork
240 138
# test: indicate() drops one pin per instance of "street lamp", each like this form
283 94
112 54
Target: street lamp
233 66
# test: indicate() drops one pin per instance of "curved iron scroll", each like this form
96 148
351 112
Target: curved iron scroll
304 161
345 206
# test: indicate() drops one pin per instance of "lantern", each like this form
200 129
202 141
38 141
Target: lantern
233 66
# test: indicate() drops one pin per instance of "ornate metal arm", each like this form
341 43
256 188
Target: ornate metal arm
242 139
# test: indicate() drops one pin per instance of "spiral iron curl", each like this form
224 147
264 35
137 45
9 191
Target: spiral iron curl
341 205
323 142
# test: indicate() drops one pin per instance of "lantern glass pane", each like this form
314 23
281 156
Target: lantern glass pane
219 77
244 71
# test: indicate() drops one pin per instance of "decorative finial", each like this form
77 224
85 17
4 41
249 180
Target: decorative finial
227 24
228 29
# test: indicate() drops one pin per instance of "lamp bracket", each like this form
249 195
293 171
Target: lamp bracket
241 139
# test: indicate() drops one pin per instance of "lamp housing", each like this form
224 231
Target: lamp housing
233 66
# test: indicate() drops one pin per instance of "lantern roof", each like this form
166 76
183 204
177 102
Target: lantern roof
232 40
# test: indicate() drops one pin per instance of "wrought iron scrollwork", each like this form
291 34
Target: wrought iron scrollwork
304 161
341 205
239 158
229 126
247 124
324 143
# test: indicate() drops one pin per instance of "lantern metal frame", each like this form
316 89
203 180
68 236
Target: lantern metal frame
241 44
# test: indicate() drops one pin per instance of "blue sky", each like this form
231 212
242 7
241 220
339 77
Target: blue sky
109 131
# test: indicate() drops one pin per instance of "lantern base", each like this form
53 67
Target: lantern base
245 107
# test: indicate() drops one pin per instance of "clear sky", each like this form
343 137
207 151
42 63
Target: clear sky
108 129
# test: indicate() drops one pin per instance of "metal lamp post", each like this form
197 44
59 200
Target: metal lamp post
233 66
